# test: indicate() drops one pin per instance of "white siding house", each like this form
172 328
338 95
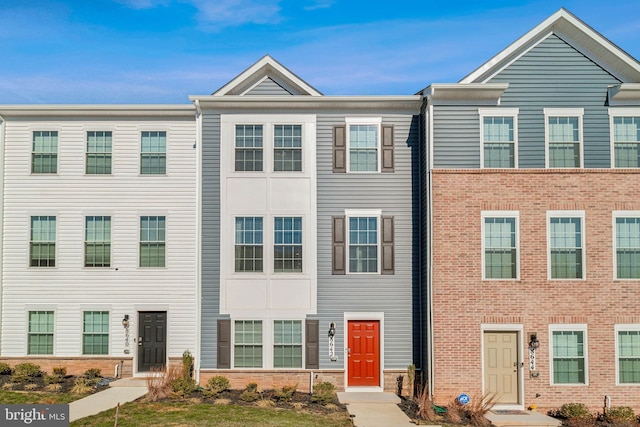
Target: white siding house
99 225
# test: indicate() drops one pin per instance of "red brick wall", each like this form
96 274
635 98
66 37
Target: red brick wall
462 301
276 379
76 365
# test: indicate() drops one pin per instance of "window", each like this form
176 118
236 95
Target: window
42 250
498 133
153 153
98 153
152 241
500 242
626 141
287 240
566 255
248 248
247 349
95 332
40 337
363 140
363 244
564 137
287 148
97 244
44 155
628 353
569 354
248 148
627 252
287 344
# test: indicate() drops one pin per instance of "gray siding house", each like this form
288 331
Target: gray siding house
309 262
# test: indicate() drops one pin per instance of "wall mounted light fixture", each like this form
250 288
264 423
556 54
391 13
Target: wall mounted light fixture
534 344
125 321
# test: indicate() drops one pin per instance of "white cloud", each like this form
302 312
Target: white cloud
319 4
215 15
143 4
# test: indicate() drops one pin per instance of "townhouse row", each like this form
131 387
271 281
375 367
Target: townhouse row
486 231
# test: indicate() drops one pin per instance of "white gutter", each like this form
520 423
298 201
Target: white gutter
429 221
3 125
198 147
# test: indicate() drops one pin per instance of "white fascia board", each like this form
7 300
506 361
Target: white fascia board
566 25
625 94
399 102
466 92
258 69
98 110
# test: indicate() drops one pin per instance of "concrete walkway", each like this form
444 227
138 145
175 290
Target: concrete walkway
374 409
521 419
120 391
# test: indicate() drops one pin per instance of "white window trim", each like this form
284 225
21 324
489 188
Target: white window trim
44 128
620 328
567 214
563 112
363 316
615 215
580 327
272 146
618 112
501 214
375 121
140 131
29 241
499 112
142 213
273 342
40 307
377 213
84 309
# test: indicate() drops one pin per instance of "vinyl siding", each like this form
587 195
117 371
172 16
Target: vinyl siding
395 194
268 87
125 195
551 75
210 237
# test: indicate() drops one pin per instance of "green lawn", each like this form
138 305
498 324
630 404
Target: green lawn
187 414
32 397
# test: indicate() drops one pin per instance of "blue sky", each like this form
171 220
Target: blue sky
161 51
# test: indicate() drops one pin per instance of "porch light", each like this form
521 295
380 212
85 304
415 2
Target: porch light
125 321
534 344
332 330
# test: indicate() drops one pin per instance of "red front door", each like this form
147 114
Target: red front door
363 353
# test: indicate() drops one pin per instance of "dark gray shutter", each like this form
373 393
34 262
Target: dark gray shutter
387 245
338 262
387 148
339 149
224 344
312 344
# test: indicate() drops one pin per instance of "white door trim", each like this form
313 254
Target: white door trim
379 316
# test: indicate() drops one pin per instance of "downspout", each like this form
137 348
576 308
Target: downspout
198 148
3 125
429 165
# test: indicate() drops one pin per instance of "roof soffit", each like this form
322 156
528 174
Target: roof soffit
265 68
576 33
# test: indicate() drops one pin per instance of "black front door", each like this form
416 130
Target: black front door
152 340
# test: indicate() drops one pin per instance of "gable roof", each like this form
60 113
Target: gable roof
572 30
267 68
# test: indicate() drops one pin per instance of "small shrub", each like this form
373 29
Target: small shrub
92 373
187 364
53 388
25 372
60 371
571 410
81 385
411 380
425 406
266 403
183 386
285 393
5 369
323 393
250 393
30 387
159 382
215 386
455 413
52 379
621 416
477 408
